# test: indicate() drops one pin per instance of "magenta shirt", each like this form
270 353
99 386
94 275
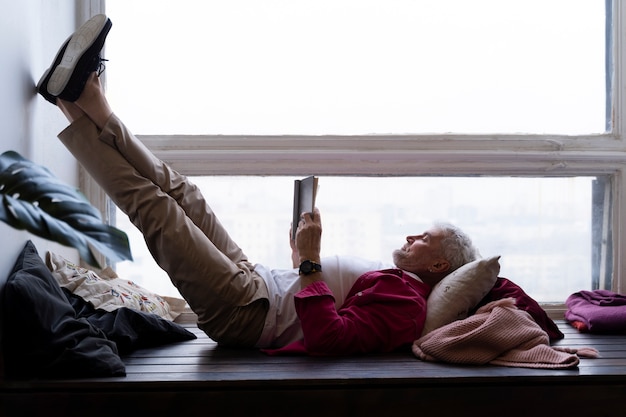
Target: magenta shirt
384 310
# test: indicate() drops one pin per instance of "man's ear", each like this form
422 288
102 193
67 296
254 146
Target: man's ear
440 266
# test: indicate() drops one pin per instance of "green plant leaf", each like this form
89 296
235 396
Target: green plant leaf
34 199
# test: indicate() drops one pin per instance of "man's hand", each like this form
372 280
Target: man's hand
309 236
308 244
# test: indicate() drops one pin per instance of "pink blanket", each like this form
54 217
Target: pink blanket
498 334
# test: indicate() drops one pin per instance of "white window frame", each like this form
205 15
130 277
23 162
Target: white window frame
415 155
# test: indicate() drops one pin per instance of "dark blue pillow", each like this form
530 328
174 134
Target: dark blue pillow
42 335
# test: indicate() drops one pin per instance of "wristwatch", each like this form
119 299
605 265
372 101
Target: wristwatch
309 267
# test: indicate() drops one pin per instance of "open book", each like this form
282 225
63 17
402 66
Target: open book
304 192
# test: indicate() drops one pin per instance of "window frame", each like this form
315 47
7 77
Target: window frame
418 155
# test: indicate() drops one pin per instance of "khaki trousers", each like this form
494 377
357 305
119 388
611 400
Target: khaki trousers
181 231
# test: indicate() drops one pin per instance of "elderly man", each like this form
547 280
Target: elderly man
318 310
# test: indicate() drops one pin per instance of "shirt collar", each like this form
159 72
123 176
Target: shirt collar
412 275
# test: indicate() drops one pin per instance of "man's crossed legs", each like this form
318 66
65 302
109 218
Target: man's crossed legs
181 231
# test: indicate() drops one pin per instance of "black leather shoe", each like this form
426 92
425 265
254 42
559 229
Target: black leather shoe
79 57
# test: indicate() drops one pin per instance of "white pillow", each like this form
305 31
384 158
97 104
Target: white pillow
457 294
106 291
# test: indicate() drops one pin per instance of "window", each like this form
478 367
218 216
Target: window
510 133
540 226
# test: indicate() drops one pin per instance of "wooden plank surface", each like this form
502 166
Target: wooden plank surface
191 376
203 361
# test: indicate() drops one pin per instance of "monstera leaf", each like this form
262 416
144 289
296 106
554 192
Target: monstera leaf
34 199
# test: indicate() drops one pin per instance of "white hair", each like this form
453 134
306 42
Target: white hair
457 248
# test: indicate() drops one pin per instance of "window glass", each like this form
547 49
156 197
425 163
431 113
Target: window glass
542 227
358 66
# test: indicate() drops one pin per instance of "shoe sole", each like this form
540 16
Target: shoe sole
81 41
42 85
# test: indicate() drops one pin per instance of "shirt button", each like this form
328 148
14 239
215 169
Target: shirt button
359 293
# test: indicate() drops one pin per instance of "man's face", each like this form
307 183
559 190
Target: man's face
420 252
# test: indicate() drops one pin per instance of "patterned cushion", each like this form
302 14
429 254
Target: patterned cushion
106 291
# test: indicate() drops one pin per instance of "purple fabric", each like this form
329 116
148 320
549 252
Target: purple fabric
601 311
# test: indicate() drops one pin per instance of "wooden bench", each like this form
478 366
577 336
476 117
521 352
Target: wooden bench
197 378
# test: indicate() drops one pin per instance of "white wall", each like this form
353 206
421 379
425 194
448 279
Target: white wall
30 33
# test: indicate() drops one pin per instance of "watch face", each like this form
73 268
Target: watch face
308 267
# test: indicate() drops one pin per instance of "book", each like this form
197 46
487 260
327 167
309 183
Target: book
304 193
